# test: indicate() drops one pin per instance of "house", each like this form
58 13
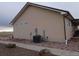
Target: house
57 23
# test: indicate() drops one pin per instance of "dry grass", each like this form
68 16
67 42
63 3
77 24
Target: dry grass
5 34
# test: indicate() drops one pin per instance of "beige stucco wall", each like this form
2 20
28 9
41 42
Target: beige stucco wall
69 29
51 22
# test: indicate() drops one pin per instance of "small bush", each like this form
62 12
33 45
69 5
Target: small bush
11 45
45 52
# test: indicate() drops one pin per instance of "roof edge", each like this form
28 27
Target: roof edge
37 5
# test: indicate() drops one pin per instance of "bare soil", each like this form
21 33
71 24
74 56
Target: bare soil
73 44
16 51
4 51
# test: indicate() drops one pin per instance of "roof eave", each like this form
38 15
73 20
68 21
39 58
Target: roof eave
37 5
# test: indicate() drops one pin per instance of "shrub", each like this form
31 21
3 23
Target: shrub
45 52
11 45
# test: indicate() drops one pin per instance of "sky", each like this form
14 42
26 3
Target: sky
8 10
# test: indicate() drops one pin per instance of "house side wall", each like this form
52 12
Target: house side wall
34 17
69 29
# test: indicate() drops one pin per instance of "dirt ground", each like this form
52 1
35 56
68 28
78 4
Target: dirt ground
4 51
73 44
16 51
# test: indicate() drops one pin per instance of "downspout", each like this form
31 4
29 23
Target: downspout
66 41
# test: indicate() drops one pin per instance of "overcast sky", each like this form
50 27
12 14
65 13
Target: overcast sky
8 10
